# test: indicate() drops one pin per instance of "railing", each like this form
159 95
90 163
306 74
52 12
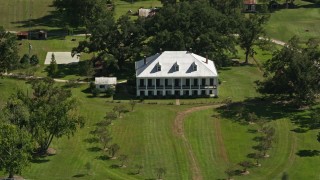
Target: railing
177 87
142 87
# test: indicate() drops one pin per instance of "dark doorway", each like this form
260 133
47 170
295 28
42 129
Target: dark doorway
211 81
176 82
195 82
166 81
203 82
149 82
158 82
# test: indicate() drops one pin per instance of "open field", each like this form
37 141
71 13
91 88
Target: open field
147 137
15 14
303 22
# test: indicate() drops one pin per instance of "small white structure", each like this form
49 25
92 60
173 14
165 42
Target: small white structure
144 12
62 58
104 83
178 73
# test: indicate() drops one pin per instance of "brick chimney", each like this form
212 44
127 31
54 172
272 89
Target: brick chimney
145 60
206 58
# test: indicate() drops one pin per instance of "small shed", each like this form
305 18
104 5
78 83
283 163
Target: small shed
250 5
104 83
144 12
23 35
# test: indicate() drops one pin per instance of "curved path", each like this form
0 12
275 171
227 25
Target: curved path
178 129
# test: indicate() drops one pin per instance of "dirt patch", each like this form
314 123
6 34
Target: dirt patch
179 131
220 142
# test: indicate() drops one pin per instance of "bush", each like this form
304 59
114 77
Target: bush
110 92
25 61
34 60
96 92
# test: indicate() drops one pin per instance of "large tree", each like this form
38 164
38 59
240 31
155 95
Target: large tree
115 41
9 58
193 25
250 29
293 73
78 13
15 148
53 112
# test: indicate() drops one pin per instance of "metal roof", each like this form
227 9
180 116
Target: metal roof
168 61
106 80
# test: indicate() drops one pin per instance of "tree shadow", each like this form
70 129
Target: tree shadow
263 107
252 131
114 166
79 175
299 130
308 153
103 157
305 122
91 140
259 138
39 160
94 149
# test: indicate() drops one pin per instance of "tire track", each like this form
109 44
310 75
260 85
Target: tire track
178 130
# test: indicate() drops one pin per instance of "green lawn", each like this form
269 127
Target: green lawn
238 142
303 22
14 14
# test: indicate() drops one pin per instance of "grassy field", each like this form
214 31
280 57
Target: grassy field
303 22
238 142
14 14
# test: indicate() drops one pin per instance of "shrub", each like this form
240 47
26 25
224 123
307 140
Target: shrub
96 92
34 60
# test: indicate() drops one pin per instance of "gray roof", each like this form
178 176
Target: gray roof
106 80
169 59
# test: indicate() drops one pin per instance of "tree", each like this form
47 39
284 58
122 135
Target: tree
88 167
124 37
257 156
34 60
292 74
120 109
79 13
111 116
193 25
250 30
9 58
15 149
16 112
132 104
53 67
87 70
123 159
246 165
138 167
230 173
25 60
53 112
104 136
285 176
161 172
113 149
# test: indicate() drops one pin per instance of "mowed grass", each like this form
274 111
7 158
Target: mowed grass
238 142
301 22
41 47
122 7
15 14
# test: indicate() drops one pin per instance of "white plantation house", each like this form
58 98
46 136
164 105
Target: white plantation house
179 73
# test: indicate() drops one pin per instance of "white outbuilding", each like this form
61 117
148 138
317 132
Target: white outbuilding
104 83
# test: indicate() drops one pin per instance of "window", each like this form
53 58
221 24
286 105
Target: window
195 67
177 67
158 67
102 86
211 81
